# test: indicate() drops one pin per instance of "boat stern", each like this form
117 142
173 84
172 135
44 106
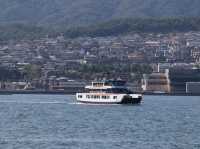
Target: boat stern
132 99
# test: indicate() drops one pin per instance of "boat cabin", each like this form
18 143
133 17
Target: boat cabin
109 86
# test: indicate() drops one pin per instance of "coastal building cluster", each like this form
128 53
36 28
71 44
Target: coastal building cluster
174 53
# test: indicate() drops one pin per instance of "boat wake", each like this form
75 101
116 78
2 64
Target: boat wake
77 140
33 102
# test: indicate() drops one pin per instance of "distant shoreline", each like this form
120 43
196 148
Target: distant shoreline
10 92
172 94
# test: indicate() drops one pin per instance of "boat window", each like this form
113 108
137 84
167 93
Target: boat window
115 82
88 96
80 96
95 96
103 97
118 90
98 84
114 97
94 90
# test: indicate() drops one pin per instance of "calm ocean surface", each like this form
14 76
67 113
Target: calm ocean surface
58 122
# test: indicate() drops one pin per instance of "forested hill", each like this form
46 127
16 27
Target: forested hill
109 28
125 26
84 12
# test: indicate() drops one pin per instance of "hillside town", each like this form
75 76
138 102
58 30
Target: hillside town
159 63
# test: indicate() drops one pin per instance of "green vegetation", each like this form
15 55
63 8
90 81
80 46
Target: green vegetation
23 31
110 28
115 68
85 71
124 26
32 72
9 74
85 12
92 71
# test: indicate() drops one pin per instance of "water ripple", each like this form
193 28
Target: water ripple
58 121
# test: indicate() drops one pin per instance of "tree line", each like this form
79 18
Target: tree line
109 28
124 26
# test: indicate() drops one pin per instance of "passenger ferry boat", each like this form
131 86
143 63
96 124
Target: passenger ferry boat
108 92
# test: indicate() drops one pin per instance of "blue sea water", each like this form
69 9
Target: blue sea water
58 122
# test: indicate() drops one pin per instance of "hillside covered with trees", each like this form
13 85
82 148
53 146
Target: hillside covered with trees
124 26
85 12
109 28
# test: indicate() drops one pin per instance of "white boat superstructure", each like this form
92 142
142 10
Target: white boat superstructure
108 92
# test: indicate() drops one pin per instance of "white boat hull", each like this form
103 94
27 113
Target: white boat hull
106 98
